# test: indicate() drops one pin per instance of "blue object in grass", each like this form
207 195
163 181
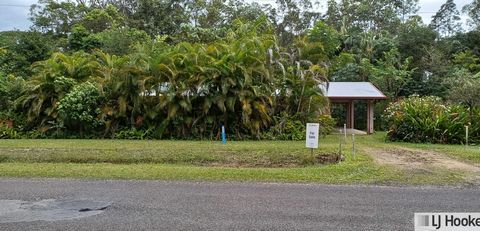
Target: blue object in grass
224 136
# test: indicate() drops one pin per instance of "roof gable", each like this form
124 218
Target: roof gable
353 90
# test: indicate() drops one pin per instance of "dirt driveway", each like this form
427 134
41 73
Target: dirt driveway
415 160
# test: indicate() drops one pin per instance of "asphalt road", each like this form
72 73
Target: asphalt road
160 205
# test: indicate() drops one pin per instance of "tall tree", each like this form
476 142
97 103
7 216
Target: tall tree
98 20
473 11
405 8
221 13
333 16
293 17
447 20
373 15
56 17
159 17
22 49
323 43
156 17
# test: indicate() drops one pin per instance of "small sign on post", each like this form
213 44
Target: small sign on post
312 135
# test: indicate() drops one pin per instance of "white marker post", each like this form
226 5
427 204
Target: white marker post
466 135
345 133
311 140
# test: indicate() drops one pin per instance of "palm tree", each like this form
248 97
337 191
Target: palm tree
52 79
79 66
124 81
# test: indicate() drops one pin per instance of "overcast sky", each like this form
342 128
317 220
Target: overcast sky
14 13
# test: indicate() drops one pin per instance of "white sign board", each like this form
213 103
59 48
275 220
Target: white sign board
312 135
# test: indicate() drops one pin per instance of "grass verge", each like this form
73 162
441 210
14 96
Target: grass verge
265 161
332 174
198 153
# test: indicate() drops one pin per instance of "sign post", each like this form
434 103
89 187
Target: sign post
312 135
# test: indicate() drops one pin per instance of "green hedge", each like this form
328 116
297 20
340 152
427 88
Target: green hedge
429 120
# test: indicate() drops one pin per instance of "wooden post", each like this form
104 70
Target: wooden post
348 114
370 116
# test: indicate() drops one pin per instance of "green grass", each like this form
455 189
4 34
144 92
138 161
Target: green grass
199 153
266 161
344 173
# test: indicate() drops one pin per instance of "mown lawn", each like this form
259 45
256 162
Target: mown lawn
267 161
343 173
198 153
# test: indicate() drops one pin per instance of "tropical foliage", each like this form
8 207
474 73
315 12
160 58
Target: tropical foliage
183 90
183 69
78 110
427 119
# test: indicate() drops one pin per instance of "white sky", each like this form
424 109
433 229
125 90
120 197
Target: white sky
14 13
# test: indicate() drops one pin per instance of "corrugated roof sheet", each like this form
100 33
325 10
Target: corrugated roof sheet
353 90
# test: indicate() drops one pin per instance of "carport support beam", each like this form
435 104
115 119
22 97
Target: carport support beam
370 116
350 114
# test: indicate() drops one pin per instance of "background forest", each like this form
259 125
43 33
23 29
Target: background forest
141 69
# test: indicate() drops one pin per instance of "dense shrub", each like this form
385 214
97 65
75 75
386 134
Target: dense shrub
133 134
291 128
474 130
10 89
327 123
79 108
11 124
285 129
428 120
7 132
